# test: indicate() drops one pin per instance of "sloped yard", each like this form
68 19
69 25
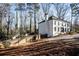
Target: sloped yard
48 48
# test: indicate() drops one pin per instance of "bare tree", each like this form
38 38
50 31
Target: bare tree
75 14
61 10
7 7
30 21
25 26
21 8
35 7
30 9
2 14
16 25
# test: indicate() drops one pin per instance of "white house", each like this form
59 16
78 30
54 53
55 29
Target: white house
53 26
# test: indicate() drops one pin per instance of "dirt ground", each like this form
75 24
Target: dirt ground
45 48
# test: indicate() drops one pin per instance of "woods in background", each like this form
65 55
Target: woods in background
22 18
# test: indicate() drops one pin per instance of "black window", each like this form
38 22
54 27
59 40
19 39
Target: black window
62 29
55 22
58 29
65 24
54 28
62 24
58 23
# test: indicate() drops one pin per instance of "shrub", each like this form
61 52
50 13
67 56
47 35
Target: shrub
70 32
3 36
6 44
44 35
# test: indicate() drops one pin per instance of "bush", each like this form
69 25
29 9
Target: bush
6 44
44 35
70 32
3 36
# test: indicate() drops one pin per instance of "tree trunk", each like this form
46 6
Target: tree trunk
35 25
30 21
0 21
16 21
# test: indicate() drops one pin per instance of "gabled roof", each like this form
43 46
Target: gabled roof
53 18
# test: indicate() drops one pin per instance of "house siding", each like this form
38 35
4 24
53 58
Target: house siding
54 27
